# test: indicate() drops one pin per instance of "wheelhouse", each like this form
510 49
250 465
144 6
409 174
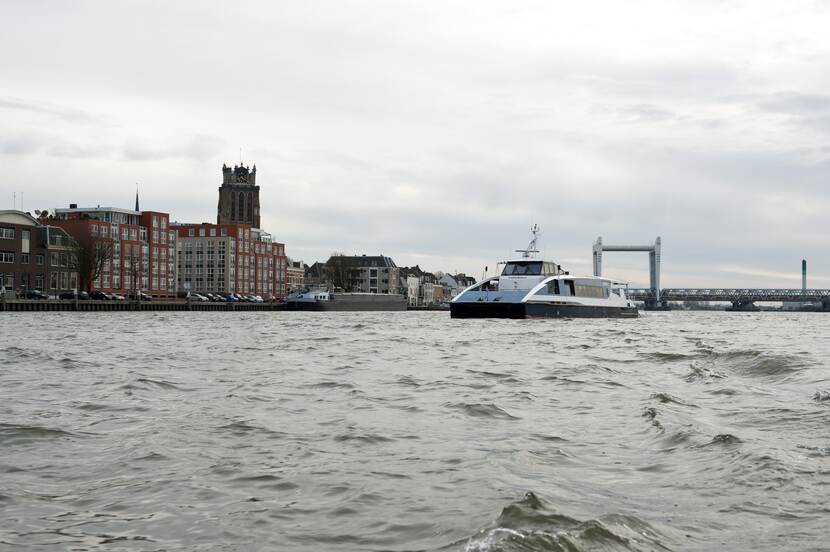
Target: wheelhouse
530 268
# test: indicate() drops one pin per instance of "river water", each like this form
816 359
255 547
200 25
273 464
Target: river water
413 431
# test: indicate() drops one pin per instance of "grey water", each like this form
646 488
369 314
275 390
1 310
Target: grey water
413 431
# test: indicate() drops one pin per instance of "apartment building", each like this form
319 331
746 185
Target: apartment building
34 255
143 247
230 258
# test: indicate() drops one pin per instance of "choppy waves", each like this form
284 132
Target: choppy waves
413 431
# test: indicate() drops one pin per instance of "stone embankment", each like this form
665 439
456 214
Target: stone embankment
23 305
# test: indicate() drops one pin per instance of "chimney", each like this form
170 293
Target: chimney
803 274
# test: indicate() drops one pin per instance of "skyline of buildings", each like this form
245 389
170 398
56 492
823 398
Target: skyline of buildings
150 252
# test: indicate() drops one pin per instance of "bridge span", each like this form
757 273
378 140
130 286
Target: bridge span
741 298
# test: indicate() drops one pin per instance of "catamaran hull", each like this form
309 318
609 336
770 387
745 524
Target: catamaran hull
492 309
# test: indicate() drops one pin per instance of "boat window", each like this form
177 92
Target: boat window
587 290
552 288
568 287
522 268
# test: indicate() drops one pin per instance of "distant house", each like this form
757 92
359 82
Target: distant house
363 273
35 255
315 275
295 275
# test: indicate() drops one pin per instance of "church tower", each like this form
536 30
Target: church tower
238 197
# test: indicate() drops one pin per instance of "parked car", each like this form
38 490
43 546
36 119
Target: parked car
140 296
34 294
82 295
117 297
198 297
230 298
100 296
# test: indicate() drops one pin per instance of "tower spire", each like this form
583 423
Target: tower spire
136 197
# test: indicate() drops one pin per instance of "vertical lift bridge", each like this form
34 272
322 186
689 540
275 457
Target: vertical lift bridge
653 262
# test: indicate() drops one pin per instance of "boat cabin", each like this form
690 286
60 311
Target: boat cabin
530 268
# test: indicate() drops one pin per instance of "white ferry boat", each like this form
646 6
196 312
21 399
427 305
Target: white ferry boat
531 288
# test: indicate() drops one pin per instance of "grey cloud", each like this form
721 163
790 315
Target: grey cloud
63 113
796 103
18 145
198 148
32 143
484 122
646 113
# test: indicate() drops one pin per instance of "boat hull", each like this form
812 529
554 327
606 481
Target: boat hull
484 309
345 302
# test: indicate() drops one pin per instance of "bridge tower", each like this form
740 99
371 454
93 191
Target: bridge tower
653 263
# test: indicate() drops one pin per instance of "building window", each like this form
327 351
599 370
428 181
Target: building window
7 233
39 281
6 257
53 280
64 280
39 260
24 258
25 235
191 232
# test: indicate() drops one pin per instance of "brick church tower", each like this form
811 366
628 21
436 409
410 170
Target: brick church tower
238 197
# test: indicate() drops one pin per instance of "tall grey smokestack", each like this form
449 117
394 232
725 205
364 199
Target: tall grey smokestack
803 274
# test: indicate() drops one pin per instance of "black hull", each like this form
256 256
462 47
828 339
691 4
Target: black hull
537 310
346 303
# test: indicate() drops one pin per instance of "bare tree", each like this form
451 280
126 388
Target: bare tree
135 269
338 272
89 255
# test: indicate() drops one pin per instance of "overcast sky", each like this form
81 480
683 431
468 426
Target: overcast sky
438 132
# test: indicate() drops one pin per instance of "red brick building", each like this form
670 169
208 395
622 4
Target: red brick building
143 255
35 255
230 258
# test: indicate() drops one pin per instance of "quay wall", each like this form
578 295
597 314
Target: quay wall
22 305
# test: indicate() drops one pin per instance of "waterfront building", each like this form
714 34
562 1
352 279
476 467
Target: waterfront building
22 258
363 274
61 273
440 294
413 291
34 255
315 275
230 258
295 275
238 197
142 256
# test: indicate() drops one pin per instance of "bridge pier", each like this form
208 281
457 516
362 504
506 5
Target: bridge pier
743 305
656 305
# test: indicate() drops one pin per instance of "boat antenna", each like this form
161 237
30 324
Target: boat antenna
531 251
